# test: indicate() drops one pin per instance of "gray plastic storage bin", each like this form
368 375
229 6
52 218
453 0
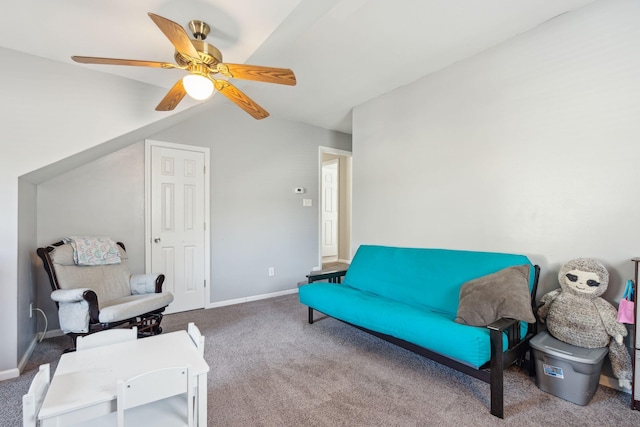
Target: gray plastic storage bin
564 370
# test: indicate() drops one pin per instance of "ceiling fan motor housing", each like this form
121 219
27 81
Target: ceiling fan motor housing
209 54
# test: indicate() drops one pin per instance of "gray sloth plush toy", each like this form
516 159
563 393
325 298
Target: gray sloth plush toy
577 315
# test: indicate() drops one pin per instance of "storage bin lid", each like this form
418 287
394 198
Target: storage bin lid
544 342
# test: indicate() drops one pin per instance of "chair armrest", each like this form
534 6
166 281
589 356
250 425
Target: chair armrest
146 283
76 308
69 295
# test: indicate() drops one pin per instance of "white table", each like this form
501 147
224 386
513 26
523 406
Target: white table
84 384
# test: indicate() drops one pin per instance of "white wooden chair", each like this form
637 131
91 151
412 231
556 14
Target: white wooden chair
163 397
32 401
110 336
196 337
198 340
159 398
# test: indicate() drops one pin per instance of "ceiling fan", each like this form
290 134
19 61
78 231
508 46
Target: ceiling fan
203 61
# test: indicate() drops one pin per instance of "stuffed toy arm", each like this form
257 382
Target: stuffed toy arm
546 301
609 316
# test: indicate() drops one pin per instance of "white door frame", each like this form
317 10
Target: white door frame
335 203
337 152
207 215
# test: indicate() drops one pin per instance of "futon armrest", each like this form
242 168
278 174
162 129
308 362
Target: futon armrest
512 326
69 295
334 276
146 283
502 324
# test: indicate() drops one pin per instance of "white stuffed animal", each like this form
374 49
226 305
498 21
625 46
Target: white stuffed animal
577 315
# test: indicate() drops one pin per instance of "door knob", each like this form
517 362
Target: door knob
157 240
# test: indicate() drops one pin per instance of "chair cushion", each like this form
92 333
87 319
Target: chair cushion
132 306
109 282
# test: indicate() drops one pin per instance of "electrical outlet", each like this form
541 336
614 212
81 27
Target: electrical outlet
272 271
30 310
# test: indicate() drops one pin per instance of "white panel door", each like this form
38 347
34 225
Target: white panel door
178 224
330 208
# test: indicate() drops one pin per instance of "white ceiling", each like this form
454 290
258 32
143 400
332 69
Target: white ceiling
344 52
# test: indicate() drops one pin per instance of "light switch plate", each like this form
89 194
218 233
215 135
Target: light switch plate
307 202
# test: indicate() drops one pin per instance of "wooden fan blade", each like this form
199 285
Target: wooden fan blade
115 61
240 99
176 35
283 76
172 98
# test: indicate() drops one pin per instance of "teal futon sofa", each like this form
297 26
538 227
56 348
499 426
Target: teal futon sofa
471 311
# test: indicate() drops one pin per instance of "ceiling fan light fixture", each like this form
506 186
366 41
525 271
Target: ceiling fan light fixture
197 86
202 61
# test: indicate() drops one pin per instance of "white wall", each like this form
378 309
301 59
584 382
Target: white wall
49 111
103 197
530 147
27 230
256 221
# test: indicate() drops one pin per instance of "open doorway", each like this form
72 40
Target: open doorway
335 208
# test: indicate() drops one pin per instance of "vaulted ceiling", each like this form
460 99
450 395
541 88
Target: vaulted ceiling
344 52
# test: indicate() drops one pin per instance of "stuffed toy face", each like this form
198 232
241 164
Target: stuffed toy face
584 277
584 282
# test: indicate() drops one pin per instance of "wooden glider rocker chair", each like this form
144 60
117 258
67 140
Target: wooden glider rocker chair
92 298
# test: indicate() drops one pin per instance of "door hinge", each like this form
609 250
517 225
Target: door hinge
204 169
205 283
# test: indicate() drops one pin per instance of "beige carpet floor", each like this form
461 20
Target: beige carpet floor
269 367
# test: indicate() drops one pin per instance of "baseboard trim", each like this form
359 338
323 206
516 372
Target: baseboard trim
51 334
251 298
9 373
28 353
15 372
612 382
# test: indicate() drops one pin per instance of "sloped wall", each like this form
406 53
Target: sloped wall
50 111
